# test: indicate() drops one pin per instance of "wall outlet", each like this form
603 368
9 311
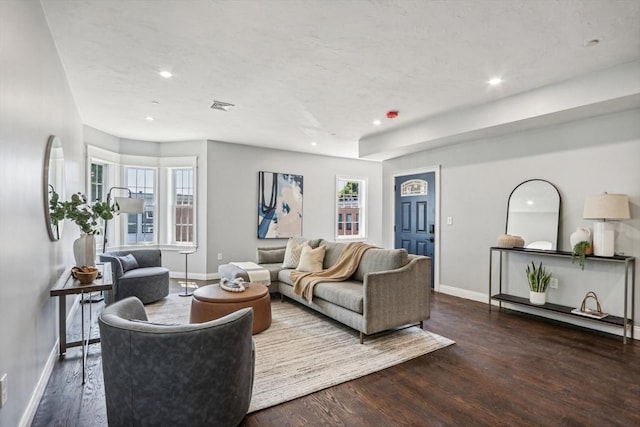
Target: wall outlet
3 390
219 257
553 283
449 220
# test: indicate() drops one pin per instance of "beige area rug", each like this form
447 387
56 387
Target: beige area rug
304 352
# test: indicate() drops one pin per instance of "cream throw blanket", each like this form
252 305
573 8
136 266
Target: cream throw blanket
347 264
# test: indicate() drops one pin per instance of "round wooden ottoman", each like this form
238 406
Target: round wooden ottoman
211 302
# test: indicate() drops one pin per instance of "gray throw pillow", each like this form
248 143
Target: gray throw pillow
128 262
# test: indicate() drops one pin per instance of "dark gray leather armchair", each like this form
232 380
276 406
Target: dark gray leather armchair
175 375
148 280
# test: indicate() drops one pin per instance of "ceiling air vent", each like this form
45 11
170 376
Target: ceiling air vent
219 105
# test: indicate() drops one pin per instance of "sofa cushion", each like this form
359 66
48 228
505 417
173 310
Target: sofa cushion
332 252
311 259
145 272
314 243
271 255
284 276
274 269
128 262
292 253
347 294
376 259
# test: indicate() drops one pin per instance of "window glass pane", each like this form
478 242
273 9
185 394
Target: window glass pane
141 227
183 207
97 181
350 206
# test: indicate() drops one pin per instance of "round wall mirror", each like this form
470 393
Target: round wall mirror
533 213
53 180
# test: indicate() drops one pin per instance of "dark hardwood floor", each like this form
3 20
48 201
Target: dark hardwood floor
506 368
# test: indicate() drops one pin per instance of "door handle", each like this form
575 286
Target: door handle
431 239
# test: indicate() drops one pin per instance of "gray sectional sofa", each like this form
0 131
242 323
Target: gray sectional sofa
390 288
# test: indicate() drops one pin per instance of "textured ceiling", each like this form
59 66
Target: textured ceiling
302 71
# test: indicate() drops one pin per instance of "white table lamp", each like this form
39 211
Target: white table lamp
605 207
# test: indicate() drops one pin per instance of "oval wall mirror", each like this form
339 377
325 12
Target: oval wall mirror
53 180
533 213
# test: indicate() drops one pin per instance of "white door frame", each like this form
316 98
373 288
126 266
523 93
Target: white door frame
436 243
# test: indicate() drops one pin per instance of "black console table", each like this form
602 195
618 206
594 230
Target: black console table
626 322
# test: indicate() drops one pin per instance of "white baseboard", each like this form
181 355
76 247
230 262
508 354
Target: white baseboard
483 297
194 276
30 411
464 293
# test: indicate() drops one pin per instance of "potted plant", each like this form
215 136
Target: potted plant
86 216
581 250
538 278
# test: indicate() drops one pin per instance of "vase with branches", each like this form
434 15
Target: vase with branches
89 217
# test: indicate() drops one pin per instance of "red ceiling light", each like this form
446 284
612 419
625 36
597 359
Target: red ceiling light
392 114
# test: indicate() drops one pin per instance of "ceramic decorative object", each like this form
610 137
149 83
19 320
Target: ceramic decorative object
509 241
580 235
537 298
84 250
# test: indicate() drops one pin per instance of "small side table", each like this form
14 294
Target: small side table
67 285
186 293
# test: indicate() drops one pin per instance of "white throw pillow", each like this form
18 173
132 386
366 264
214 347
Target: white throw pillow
292 254
311 259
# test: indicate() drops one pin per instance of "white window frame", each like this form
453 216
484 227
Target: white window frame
172 222
362 209
117 164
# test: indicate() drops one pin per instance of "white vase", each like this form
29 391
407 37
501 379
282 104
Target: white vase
580 235
537 298
84 250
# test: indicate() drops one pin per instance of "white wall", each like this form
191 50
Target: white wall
581 158
233 197
35 102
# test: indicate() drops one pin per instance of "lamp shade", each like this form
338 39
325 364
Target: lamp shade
606 206
129 205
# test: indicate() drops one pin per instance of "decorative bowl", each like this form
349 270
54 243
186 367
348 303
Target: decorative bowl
85 275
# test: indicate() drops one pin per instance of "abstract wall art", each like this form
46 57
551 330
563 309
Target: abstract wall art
279 205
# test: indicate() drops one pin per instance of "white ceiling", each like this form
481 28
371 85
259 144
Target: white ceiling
303 71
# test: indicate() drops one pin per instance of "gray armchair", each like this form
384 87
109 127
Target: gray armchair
175 375
143 277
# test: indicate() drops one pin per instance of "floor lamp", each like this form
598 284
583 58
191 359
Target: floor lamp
122 205
605 207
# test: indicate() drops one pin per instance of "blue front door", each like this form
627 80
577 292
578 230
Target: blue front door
415 214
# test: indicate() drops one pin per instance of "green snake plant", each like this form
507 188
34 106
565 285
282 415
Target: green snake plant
538 277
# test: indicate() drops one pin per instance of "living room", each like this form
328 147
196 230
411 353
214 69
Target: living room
588 143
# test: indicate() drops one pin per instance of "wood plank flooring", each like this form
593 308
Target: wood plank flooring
506 368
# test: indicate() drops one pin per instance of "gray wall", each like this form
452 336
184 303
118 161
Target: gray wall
35 102
232 188
581 158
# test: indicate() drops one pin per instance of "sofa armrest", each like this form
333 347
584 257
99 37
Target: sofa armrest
116 266
397 297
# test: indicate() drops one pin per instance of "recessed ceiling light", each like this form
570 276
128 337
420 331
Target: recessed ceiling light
495 81
377 122
314 143
149 118
166 74
530 202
